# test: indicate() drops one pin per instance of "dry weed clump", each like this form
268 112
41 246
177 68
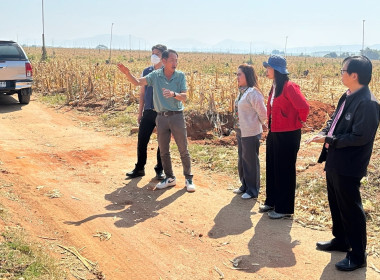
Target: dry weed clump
79 266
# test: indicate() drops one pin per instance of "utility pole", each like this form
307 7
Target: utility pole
110 44
363 39
44 55
286 42
250 53
130 47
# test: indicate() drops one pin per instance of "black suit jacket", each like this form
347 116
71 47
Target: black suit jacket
350 146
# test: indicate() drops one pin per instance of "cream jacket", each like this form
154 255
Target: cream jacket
252 112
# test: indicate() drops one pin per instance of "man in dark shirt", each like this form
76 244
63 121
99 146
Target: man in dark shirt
347 147
147 120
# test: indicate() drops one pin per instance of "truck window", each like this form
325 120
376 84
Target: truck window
11 52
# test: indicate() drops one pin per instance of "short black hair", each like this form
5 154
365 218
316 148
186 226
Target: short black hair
165 54
159 47
360 65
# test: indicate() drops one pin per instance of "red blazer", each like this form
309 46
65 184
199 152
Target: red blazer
289 109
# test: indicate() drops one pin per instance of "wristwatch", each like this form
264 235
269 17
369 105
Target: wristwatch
174 94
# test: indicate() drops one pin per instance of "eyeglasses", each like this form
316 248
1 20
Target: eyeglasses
342 71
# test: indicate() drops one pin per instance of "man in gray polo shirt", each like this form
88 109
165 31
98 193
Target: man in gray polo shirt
169 92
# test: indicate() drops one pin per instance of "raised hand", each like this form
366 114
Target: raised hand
123 68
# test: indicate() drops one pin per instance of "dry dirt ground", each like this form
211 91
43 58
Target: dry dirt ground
156 234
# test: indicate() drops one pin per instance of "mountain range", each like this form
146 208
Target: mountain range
191 45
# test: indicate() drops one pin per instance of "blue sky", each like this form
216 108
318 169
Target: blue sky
305 23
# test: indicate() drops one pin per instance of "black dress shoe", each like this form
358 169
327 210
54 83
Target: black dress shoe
160 175
135 173
348 264
331 246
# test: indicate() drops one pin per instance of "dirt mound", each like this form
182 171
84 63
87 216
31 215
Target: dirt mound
319 114
204 126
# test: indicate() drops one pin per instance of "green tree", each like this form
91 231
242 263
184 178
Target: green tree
331 55
101 47
344 55
371 54
277 52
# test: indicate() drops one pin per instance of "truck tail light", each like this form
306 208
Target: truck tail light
28 69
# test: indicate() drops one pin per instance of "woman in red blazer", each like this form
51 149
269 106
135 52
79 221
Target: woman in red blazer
287 110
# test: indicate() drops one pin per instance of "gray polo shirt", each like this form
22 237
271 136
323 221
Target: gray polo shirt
158 81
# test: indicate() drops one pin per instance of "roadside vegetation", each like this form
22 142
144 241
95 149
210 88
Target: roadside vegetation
23 259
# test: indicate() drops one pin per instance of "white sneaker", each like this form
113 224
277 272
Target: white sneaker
237 191
189 185
168 182
246 196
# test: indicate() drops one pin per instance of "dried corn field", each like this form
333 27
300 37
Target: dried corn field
83 75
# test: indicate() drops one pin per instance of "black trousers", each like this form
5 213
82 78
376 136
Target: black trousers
249 163
348 217
147 125
281 157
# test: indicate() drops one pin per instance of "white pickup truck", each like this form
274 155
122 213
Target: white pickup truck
16 75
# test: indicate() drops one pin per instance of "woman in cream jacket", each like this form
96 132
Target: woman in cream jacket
250 116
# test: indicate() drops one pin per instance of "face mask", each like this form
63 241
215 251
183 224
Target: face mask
155 59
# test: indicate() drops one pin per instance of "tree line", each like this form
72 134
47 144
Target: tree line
370 53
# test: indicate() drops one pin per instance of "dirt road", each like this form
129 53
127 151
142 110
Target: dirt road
156 234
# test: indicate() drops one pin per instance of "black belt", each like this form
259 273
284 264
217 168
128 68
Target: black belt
169 113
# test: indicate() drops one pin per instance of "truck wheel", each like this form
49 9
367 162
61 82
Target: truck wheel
24 95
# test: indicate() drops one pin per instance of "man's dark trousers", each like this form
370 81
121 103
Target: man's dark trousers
349 221
147 125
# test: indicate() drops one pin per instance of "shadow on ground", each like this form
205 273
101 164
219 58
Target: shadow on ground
9 104
234 218
131 204
271 246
